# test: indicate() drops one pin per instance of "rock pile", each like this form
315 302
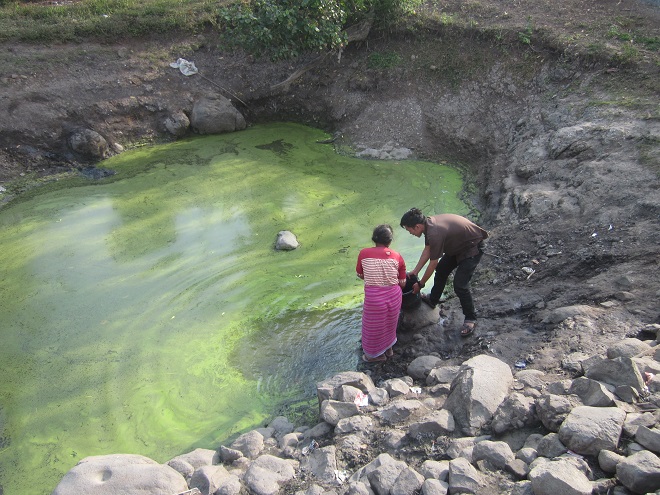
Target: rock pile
477 428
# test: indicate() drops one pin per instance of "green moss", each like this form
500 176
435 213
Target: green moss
150 314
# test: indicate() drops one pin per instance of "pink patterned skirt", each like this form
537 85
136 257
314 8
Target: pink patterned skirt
380 316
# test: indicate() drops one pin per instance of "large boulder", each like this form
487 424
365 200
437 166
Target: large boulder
588 430
267 473
89 144
216 115
559 478
332 387
640 472
478 390
120 473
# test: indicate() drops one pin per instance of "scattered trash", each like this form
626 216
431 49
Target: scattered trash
186 67
610 227
522 364
313 445
361 399
648 377
416 390
528 270
341 476
595 234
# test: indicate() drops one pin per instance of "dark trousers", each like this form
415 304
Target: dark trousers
464 271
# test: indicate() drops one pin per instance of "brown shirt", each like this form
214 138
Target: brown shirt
453 235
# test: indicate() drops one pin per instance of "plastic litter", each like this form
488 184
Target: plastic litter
361 400
416 390
313 445
341 476
521 365
186 67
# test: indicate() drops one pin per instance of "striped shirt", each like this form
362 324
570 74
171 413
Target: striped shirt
380 266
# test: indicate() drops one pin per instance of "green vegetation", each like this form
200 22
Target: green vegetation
283 29
386 60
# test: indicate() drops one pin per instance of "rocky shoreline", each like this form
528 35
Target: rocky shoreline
478 428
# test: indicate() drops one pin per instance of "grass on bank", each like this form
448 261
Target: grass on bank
52 21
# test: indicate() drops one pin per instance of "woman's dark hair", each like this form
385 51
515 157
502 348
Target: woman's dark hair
412 217
383 235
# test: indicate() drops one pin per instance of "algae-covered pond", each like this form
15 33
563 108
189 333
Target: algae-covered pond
150 314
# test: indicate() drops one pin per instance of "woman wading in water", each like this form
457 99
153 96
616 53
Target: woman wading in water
384 273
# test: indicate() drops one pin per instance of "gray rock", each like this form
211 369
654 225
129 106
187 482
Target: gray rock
409 482
395 439
443 374
552 410
627 394
332 411
560 314
331 388
551 446
207 479
434 487
438 470
433 424
89 144
640 472
649 438
628 348
281 426
215 115
181 466
516 412
573 362
523 488
618 371
531 378
228 455
396 387
362 474
463 477
559 478
322 463
177 123
478 390
354 424
318 431
267 473
527 455
383 476
591 392
497 454
359 488
421 366
635 420
289 440
200 457
587 430
250 444
608 460
120 473
379 397
349 393
399 411
231 485
286 241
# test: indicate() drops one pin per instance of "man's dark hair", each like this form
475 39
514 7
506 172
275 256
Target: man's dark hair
412 217
383 235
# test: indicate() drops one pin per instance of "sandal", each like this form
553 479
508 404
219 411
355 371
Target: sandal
468 327
377 359
389 353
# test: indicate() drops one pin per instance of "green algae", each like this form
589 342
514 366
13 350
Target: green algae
150 314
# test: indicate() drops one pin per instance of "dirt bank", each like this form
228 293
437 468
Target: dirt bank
562 144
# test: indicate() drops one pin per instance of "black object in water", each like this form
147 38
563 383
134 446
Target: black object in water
410 300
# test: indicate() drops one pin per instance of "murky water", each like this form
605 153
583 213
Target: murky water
152 315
